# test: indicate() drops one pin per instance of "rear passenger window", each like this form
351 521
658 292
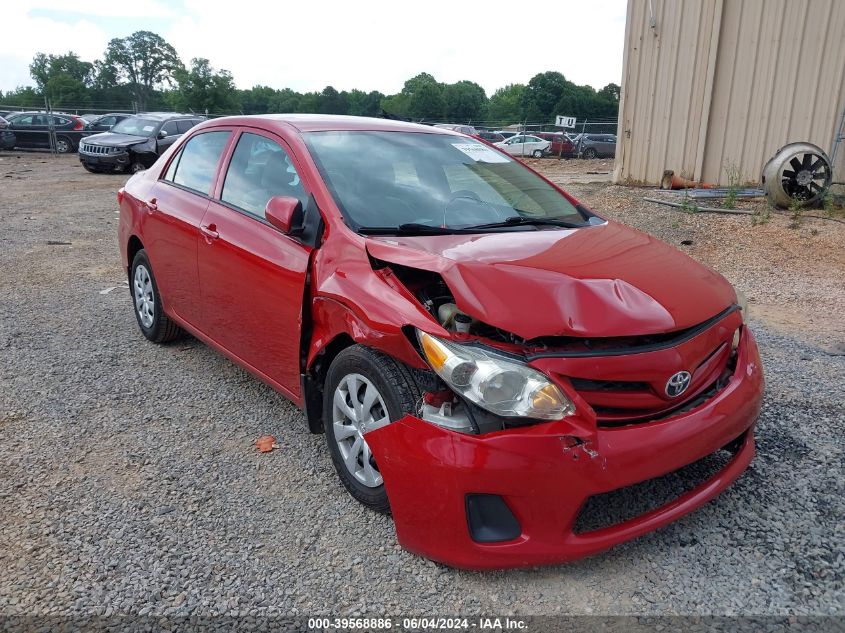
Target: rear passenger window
195 166
259 170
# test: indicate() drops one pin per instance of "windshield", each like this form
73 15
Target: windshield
391 179
136 127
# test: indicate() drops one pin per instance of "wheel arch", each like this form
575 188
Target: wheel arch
132 247
315 377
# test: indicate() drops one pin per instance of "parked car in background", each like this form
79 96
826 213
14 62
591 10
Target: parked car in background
483 353
105 122
524 145
490 137
3 122
455 127
136 142
560 144
596 145
506 133
32 130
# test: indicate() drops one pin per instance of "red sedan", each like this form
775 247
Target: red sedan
483 353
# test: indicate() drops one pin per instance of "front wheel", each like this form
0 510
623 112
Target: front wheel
136 166
364 390
155 325
538 153
590 153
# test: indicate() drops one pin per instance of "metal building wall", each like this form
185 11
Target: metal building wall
717 83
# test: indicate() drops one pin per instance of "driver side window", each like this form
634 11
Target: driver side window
260 169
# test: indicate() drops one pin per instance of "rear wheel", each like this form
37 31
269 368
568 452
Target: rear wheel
590 153
135 166
155 325
364 390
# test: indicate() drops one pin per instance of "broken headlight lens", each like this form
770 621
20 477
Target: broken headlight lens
500 385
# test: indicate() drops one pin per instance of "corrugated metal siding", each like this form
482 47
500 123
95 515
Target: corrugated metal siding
723 83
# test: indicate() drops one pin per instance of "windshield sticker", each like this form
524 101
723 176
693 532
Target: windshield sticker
480 153
148 128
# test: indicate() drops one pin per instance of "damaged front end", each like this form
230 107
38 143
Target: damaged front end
512 439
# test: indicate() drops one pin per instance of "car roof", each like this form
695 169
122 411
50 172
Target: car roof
334 122
164 116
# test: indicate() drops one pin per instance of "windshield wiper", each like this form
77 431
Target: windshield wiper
517 220
410 228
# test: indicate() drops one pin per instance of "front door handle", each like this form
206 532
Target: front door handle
210 231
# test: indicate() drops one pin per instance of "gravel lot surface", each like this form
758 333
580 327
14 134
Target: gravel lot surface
129 482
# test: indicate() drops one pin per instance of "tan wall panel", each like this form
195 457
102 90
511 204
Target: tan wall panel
779 76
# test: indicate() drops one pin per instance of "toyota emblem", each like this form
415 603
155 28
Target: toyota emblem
677 384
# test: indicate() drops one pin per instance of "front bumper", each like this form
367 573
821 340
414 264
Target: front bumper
429 471
105 161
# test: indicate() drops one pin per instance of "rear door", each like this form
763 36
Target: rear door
175 207
251 275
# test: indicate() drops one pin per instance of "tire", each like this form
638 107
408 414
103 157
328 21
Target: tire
359 368
155 325
135 166
538 153
590 153
63 145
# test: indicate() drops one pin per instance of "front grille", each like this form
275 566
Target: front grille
88 148
620 505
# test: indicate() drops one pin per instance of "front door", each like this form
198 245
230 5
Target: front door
252 276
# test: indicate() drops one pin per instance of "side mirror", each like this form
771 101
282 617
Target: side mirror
162 134
285 213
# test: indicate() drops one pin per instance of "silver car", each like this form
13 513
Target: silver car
596 145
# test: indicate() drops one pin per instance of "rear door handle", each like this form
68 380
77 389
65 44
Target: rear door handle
152 204
210 231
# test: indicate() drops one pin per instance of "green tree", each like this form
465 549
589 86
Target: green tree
144 60
464 101
286 100
542 95
505 106
333 102
201 89
256 100
365 103
45 67
421 98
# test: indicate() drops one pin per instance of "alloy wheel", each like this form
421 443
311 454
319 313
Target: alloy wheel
62 146
358 407
144 298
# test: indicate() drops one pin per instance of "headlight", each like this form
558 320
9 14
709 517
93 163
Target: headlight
499 385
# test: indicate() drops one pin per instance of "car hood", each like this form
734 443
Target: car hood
598 281
110 139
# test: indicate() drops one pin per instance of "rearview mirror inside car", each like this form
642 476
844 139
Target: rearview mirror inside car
284 212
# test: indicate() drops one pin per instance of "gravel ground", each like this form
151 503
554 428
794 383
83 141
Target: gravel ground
129 482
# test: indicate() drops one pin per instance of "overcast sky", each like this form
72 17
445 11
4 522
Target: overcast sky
309 45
